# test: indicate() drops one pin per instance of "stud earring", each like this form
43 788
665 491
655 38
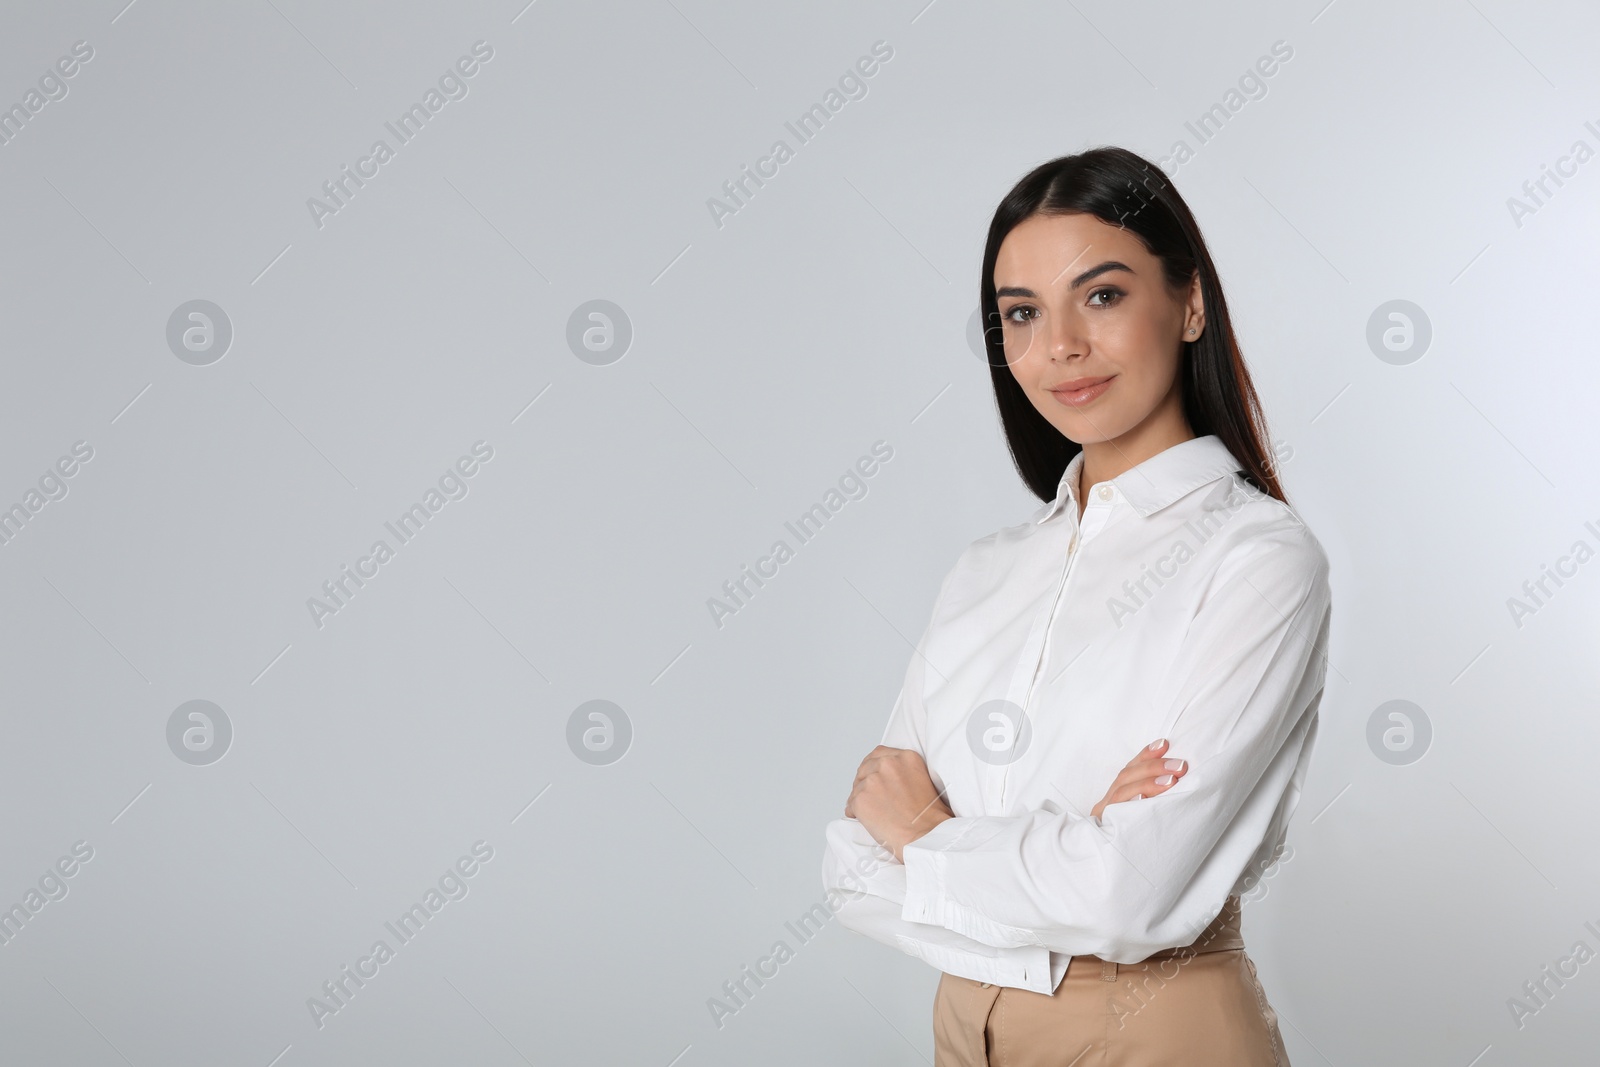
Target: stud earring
1191 329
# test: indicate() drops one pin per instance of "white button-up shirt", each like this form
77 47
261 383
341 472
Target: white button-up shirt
1185 604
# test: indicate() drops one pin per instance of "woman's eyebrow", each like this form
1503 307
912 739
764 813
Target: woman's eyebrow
1091 273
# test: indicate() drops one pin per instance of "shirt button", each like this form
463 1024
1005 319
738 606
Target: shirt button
1105 492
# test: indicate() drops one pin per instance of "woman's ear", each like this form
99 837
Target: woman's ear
1195 314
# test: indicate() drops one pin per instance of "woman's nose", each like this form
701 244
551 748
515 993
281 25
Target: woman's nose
1062 337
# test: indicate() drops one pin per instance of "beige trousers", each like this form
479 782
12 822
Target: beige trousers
1200 1005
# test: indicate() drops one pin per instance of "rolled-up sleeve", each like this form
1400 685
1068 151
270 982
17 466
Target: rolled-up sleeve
1240 700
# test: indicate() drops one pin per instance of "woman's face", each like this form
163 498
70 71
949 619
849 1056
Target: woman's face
1083 304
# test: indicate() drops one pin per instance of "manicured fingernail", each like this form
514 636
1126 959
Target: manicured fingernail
1173 765
1139 797
1165 779
1156 744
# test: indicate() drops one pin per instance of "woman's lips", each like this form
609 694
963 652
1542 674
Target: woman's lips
1076 398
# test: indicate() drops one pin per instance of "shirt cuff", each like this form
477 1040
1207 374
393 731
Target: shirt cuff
927 900
924 884
1036 969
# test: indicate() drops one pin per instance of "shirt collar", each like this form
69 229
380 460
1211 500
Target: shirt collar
1159 480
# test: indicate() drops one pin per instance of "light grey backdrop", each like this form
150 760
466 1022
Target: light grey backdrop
745 362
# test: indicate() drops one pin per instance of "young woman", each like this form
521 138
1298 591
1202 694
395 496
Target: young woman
1164 590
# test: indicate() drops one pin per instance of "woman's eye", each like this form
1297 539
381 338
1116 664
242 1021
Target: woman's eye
1011 315
1112 292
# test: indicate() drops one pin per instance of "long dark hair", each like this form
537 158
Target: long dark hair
1124 189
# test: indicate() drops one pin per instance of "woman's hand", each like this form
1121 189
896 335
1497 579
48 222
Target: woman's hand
895 799
1145 775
